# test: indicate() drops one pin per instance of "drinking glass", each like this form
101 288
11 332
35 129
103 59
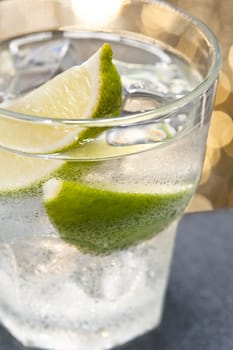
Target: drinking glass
132 181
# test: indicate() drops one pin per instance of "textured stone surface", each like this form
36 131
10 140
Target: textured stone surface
199 303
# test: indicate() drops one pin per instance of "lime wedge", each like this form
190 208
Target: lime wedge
101 221
91 90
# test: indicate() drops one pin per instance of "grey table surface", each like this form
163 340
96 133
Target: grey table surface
198 311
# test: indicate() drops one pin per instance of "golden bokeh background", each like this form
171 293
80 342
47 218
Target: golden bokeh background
216 186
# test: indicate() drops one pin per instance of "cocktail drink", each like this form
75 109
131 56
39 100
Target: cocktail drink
99 159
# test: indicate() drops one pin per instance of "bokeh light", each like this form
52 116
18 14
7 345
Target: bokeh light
229 150
96 12
199 203
223 90
221 130
231 57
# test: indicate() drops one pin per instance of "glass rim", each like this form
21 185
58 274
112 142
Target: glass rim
161 111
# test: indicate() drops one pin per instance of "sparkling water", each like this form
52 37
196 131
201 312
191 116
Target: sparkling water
54 296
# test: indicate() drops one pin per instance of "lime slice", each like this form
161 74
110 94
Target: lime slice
101 221
91 90
22 173
26 175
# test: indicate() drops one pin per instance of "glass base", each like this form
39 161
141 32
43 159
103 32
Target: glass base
108 322
73 340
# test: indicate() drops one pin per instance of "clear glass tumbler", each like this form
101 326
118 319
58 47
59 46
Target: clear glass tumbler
89 268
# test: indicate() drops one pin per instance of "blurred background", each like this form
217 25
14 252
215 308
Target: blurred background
216 185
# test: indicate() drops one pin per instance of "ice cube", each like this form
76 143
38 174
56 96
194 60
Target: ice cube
180 87
27 220
72 57
143 90
142 134
32 60
167 71
43 258
121 275
10 295
138 102
7 73
37 64
47 54
88 274
148 86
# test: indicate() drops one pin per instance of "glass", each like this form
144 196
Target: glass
135 178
